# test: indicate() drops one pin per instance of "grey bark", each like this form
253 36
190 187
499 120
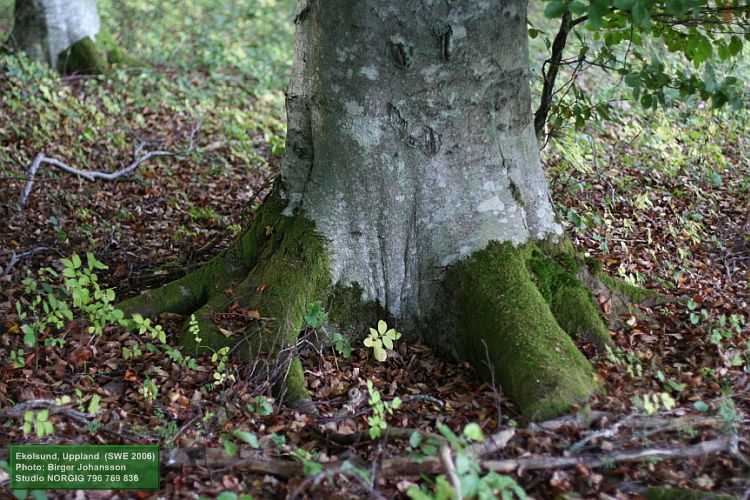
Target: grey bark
411 142
46 28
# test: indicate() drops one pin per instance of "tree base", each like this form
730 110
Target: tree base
513 312
89 56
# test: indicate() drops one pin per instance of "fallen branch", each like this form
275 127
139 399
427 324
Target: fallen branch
257 462
390 433
520 465
16 258
53 408
92 175
492 444
586 420
581 420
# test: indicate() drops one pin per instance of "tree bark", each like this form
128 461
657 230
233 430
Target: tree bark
411 139
412 189
66 34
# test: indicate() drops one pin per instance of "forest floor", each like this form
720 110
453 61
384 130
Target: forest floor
662 199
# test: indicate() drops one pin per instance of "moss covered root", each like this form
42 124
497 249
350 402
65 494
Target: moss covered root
277 267
504 318
556 276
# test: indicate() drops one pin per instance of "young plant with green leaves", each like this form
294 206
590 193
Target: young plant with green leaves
247 437
381 340
39 422
653 402
472 481
260 405
315 318
80 295
221 374
149 390
380 410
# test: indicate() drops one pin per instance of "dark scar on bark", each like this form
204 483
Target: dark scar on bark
402 54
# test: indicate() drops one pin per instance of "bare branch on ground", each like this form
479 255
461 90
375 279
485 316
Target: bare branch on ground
92 175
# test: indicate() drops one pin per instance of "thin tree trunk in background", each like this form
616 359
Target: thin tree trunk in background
47 29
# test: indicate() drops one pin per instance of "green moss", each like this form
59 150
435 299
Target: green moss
351 315
277 267
635 294
576 313
570 301
94 56
563 248
594 265
499 306
292 390
83 56
290 270
186 294
550 275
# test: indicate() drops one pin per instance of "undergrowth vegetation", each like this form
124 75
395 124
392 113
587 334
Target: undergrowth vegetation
658 198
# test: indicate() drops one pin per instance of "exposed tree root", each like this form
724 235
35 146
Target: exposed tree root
556 268
514 310
519 302
499 305
277 267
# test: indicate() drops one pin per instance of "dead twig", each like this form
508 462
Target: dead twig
446 460
185 427
720 445
254 461
92 175
16 258
44 404
390 433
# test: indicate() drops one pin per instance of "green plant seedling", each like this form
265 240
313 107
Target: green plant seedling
381 340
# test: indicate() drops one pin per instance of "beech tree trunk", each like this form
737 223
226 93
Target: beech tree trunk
411 144
66 34
412 191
